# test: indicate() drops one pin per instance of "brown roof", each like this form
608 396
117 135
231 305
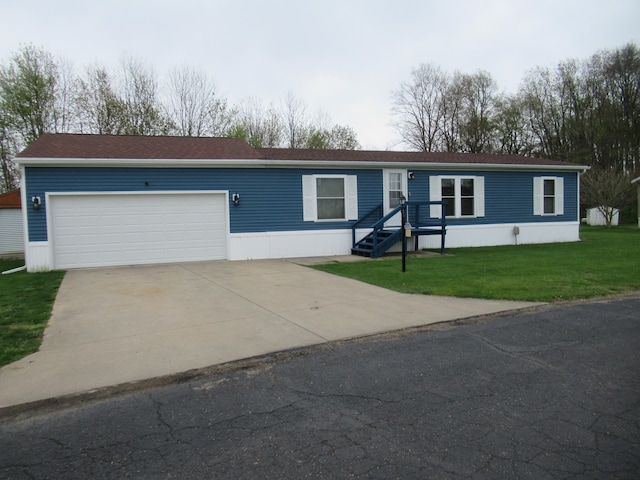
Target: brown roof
62 145
403 157
11 199
75 146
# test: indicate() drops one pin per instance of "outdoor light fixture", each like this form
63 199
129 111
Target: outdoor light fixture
35 201
236 199
411 175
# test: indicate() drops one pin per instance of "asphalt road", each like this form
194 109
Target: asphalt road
552 394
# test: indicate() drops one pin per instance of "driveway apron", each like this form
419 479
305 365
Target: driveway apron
117 325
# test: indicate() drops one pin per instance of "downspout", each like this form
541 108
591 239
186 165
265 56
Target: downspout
14 270
580 173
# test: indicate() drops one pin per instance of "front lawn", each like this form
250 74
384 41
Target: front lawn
606 261
26 300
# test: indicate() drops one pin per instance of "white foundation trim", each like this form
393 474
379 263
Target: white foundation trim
314 243
504 234
37 257
290 244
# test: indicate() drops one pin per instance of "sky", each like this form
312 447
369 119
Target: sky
341 57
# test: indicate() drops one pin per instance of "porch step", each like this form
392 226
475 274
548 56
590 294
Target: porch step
375 245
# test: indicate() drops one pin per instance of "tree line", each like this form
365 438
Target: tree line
583 111
40 94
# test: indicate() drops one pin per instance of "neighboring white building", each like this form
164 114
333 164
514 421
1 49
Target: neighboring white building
595 217
11 229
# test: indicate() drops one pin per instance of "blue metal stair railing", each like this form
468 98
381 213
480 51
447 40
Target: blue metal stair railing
380 239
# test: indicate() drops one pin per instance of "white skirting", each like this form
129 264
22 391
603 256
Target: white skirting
309 243
37 257
315 243
504 234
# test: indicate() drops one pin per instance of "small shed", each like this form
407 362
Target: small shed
596 217
11 228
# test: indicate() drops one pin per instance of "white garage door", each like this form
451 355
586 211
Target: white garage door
129 229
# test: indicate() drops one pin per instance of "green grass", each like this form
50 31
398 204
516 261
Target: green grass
605 262
26 300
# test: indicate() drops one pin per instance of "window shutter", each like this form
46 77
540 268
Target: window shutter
559 193
538 184
435 195
309 198
352 197
478 193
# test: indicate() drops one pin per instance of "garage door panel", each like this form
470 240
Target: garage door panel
100 230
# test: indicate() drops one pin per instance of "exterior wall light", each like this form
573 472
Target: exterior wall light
35 201
236 199
411 175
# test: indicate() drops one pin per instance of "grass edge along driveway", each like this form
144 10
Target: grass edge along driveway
26 301
604 262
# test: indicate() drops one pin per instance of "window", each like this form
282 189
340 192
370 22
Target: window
448 188
464 196
395 189
329 198
548 196
549 203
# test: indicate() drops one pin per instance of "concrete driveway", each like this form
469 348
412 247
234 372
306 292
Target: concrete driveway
117 325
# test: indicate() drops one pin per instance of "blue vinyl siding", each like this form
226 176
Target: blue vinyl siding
508 195
270 199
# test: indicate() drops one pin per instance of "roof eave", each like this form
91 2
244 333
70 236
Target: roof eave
262 163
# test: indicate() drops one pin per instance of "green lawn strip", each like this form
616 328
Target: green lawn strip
26 300
606 261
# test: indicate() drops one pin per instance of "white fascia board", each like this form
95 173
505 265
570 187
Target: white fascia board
260 163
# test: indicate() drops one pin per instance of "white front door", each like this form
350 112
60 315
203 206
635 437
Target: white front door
395 188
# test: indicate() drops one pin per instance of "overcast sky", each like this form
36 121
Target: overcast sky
344 57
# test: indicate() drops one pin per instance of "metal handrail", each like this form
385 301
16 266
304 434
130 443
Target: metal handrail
376 226
379 224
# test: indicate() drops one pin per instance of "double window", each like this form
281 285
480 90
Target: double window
330 197
548 196
464 196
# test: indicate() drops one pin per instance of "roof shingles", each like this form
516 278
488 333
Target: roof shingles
75 146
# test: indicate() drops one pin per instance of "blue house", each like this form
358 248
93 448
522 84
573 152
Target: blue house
93 200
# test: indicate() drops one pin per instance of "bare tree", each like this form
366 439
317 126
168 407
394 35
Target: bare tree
418 107
100 110
476 121
140 94
194 106
452 108
259 126
296 126
8 148
64 109
512 133
606 189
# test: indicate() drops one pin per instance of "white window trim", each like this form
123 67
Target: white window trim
538 196
310 198
435 195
